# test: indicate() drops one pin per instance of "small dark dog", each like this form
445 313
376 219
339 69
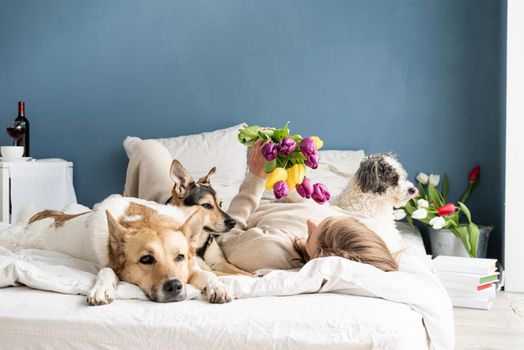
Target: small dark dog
188 193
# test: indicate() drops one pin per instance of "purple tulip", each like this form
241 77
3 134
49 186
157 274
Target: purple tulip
320 193
305 189
281 189
312 161
269 151
308 147
286 146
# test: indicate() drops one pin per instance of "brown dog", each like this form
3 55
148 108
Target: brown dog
133 240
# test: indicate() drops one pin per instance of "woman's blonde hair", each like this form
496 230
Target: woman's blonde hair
348 238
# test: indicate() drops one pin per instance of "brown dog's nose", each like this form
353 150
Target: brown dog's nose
173 287
230 223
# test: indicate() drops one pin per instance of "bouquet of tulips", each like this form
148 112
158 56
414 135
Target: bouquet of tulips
288 157
432 208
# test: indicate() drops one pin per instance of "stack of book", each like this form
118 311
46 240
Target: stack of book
470 282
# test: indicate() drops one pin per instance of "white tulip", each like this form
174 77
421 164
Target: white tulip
437 222
422 178
420 214
434 180
422 203
399 214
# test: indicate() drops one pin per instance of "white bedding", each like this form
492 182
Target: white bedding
51 320
33 319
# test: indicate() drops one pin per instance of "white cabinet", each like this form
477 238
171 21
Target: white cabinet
44 184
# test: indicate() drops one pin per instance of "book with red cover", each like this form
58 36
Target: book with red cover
487 293
465 287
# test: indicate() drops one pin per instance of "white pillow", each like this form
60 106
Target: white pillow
335 168
200 152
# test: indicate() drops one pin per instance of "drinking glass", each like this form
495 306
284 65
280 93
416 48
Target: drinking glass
16 131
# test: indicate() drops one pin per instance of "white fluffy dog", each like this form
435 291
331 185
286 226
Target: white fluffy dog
379 185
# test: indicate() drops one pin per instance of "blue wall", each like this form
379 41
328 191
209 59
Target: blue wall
424 79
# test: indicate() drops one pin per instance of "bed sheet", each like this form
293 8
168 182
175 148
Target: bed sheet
34 319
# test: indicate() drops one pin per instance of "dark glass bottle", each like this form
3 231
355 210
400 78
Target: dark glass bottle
22 123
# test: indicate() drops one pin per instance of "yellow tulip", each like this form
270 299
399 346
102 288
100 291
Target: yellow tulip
295 175
279 174
318 142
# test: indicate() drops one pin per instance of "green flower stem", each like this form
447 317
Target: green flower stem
466 194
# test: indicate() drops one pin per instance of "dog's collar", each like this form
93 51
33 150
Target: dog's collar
202 250
169 200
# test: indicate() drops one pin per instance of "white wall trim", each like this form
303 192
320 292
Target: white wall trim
514 218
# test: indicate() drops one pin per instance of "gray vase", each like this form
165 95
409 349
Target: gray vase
444 242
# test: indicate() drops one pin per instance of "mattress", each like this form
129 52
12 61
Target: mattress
37 319
34 319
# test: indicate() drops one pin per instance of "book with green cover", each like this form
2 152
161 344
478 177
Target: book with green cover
468 278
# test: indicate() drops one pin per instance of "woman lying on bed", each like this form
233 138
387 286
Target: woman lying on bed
272 235
286 235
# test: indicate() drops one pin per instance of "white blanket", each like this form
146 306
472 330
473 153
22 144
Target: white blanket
415 285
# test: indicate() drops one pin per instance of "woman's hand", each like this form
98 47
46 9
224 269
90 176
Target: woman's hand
256 161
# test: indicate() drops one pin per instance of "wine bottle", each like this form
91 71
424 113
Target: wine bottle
22 123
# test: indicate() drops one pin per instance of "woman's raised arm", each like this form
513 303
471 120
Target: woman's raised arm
250 192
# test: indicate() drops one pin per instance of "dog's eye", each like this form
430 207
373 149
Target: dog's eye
180 257
147 260
207 206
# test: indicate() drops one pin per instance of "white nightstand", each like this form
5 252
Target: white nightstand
34 169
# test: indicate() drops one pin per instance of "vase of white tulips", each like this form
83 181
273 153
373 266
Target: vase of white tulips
445 242
448 235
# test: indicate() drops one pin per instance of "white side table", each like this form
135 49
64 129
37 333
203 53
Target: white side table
5 188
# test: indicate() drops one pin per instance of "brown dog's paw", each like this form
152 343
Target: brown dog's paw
218 294
101 296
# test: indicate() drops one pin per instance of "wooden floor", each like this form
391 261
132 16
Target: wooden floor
501 327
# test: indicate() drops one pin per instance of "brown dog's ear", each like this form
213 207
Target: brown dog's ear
182 179
207 179
116 231
194 224
117 239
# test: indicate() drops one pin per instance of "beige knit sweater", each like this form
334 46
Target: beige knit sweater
264 232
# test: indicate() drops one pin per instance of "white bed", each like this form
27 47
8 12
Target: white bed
37 319
33 319
412 313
